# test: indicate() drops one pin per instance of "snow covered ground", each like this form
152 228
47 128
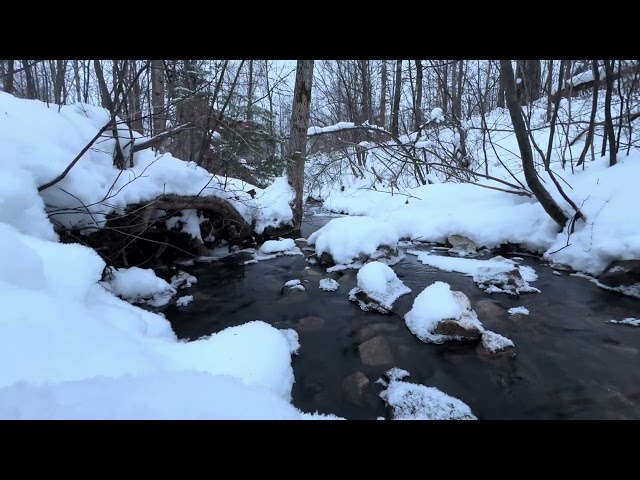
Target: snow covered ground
490 217
70 347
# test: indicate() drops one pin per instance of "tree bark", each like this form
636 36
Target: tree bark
383 95
8 82
250 93
105 96
31 87
157 94
298 135
592 120
395 112
417 104
520 130
608 121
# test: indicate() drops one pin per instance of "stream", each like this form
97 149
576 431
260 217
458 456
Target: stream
568 363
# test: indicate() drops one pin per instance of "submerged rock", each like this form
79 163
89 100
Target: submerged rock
376 352
354 386
310 324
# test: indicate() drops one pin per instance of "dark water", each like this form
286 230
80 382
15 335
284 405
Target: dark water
568 363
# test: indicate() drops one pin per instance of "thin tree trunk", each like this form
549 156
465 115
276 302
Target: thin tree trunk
8 82
298 135
250 93
135 94
418 98
395 112
520 130
104 90
610 134
157 96
548 86
592 120
383 95
76 79
31 87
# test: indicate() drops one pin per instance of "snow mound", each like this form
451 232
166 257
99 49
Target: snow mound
183 280
294 285
328 285
411 401
346 238
438 303
139 285
380 284
184 301
274 246
439 314
518 310
495 342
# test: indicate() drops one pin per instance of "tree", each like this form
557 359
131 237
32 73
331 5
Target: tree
520 129
395 111
157 96
529 78
298 137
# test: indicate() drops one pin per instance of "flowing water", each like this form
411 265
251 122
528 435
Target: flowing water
568 363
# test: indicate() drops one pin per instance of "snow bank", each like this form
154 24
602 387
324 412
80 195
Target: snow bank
346 238
94 187
495 275
632 322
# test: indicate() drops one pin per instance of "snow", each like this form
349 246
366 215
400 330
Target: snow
411 401
328 285
381 284
436 303
139 284
518 310
294 285
183 280
273 246
437 115
74 349
184 301
633 322
94 188
483 272
495 342
346 238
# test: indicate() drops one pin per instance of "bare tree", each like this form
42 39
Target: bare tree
383 95
609 131
395 112
8 78
520 129
298 137
417 101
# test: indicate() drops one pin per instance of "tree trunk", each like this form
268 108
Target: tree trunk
500 101
548 87
608 121
31 86
395 112
520 130
594 107
157 94
250 93
298 136
105 96
76 79
417 104
134 97
8 82
383 95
